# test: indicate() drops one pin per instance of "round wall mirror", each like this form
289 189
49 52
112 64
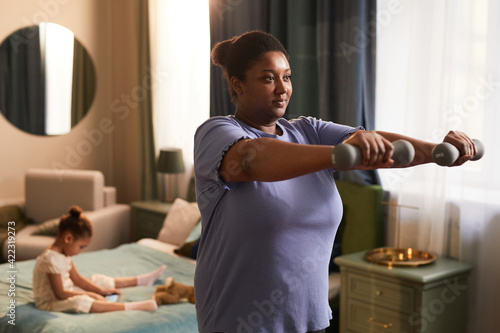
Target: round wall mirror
47 79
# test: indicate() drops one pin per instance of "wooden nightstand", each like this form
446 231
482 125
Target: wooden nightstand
147 218
376 298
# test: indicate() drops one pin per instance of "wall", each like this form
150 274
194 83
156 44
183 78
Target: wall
104 140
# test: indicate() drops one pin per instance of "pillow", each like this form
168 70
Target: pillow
47 228
179 222
10 213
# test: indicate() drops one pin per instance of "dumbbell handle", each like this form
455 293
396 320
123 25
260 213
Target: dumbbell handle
446 154
346 156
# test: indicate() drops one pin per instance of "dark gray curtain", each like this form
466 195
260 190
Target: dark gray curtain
346 58
229 18
149 189
346 46
294 24
84 83
22 84
332 56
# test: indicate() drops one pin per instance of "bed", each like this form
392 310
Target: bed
125 260
362 229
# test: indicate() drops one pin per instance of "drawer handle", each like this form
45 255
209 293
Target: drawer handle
372 321
379 292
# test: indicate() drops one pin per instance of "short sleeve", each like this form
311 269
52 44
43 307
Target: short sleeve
54 263
329 133
212 140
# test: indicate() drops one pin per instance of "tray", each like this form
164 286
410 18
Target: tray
391 256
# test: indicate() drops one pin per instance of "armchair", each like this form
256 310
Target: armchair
362 226
49 194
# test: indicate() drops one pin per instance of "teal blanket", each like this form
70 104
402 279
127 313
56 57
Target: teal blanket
125 260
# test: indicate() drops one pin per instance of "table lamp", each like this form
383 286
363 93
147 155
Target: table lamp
171 163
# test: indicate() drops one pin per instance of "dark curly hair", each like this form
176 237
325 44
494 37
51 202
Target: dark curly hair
238 54
76 223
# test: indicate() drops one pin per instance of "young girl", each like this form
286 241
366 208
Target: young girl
57 285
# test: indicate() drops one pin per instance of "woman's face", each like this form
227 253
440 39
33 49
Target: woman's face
266 91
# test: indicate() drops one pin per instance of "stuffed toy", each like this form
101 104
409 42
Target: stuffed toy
172 292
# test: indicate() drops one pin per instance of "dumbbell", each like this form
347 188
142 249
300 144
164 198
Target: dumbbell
446 154
346 156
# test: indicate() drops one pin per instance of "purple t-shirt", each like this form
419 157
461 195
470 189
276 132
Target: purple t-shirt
263 257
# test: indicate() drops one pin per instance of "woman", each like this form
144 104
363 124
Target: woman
269 205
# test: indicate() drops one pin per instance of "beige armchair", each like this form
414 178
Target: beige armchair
49 194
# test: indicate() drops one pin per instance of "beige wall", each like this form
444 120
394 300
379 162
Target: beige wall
106 139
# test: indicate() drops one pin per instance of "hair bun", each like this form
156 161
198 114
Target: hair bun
220 52
75 211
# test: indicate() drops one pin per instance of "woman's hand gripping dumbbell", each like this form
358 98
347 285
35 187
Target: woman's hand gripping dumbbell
346 156
446 154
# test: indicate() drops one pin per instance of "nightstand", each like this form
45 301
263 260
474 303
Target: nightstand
377 298
147 218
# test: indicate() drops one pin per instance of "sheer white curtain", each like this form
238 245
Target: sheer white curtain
180 56
438 69
57 46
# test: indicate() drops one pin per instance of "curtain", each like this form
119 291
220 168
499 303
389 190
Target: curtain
331 46
22 94
346 43
181 85
149 187
84 83
294 24
439 71
332 56
229 18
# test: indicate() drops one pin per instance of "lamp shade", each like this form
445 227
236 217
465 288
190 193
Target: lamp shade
170 161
